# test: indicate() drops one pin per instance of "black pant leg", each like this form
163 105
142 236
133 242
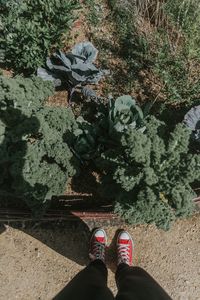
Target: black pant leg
89 284
134 283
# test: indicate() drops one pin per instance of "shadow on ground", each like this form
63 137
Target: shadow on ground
69 239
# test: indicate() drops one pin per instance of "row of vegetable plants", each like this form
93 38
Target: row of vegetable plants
146 169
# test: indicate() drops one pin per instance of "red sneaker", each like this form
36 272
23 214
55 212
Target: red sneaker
98 243
124 248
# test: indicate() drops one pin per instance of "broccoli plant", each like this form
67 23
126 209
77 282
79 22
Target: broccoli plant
192 121
73 69
149 174
35 162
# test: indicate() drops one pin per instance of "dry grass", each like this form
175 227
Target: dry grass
152 10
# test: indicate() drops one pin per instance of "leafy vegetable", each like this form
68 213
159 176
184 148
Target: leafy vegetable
72 69
29 30
111 120
35 162
192 121
149 174
124 113
85 145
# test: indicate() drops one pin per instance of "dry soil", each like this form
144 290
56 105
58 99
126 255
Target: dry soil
37 262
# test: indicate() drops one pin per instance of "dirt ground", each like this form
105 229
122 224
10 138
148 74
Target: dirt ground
37 262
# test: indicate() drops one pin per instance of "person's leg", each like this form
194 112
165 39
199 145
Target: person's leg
90 283
134 283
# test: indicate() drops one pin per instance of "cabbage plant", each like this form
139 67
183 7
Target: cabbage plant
192 120
73 69
112 121
124 113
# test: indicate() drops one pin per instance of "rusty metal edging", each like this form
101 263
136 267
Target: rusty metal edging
16 215
7 215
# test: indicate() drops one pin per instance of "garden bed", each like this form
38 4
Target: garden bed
131 155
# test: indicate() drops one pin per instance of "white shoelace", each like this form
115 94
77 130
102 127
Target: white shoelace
123 254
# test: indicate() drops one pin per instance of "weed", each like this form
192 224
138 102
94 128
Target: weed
29 30
165 47
185 16
95 11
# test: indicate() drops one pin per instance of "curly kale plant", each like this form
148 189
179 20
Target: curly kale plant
35 162
72 69
29 30
149 174
192 121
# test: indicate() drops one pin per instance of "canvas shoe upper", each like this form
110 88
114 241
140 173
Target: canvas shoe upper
98 243
124 248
